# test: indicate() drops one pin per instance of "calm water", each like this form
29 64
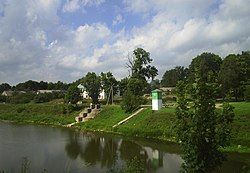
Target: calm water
47 149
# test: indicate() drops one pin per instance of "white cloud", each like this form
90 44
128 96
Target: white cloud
73 5
118 20
35 46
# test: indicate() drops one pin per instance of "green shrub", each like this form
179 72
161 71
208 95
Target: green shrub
131 102
18 98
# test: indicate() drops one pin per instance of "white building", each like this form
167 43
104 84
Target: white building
85 95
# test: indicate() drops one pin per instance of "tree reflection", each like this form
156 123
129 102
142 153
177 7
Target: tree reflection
73 148
109 152
91 153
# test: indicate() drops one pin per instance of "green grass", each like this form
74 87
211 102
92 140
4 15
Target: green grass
241 126
109 116
160 124
148 124
44 113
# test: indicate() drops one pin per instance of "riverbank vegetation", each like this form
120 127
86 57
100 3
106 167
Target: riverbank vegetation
44 113
158 125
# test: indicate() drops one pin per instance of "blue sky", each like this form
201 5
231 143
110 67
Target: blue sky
55 40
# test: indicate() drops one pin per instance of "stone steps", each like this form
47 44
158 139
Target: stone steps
88 113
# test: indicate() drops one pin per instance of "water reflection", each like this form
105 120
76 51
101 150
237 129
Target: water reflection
63 150
111 152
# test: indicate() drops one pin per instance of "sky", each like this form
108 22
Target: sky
53 40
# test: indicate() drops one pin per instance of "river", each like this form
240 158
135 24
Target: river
36 148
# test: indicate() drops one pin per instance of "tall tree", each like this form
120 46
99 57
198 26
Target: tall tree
27 86
206 64
92 83
233 74
202 130
4 86
123 85
109 84
72 95
173 76
139 65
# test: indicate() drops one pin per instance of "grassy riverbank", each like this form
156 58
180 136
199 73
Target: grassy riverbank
49 113
147 124
160 125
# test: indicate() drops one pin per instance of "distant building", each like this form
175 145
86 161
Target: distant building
47 91
85 95
7 93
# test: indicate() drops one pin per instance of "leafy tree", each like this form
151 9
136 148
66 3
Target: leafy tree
201 130
43 85
92 83
27 86
245 59
72 95
173 76
139 65
207 65
4 87
130 101
137 86
123 85
108 81
233 75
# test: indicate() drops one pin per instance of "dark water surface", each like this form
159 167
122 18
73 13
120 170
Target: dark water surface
49 149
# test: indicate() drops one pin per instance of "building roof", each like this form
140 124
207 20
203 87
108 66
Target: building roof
7 93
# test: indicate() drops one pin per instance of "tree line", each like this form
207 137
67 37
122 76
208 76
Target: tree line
31 85
232 73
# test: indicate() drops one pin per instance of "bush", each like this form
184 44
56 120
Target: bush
72 107
21 98
41 98
131 102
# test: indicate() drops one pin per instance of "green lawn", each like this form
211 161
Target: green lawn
158 124
241 124
109 116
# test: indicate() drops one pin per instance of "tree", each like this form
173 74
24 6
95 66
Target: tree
27 86
137 86
72 95
201 130
232 75
4 87
207 65
173 76
139 65
92 83
130 101
123 85
109 84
